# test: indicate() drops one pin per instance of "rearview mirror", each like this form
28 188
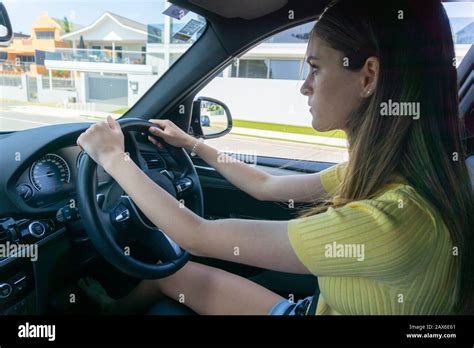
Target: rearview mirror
6 31
211 118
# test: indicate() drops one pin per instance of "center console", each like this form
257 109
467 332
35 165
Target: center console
20 242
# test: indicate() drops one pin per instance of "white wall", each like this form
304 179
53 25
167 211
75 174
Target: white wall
264 100
157 62
55 96
17 92
144 84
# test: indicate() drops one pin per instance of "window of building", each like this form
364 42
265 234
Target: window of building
284 69
45 35
155 33
26 59
250 68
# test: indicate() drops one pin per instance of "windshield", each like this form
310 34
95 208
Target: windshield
75 61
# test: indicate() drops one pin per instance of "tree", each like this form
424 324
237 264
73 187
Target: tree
67 25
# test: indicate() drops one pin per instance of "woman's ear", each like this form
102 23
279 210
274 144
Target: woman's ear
369 76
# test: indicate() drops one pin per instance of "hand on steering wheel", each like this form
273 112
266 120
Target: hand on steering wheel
170 133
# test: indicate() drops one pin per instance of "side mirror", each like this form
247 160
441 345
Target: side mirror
211 118
6 31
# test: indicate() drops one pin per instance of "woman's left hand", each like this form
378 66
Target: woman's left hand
103 141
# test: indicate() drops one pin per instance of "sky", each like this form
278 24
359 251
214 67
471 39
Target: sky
24 12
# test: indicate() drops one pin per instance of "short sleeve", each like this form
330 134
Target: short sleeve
332 176
369 238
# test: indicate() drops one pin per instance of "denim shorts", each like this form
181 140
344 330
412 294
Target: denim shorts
287 307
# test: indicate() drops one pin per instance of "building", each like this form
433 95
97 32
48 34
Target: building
111 39
22 54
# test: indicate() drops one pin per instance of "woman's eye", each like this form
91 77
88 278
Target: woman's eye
314 70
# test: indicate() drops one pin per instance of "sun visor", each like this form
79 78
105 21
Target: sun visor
246 9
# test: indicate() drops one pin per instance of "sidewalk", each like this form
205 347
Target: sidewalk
315 139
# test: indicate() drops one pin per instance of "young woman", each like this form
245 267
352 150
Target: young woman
394 232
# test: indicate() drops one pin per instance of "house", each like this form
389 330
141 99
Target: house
110 39
21 55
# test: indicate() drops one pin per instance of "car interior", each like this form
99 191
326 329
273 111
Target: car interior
63 229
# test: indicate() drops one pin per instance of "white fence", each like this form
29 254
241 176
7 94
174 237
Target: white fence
13 87
10 80
59 83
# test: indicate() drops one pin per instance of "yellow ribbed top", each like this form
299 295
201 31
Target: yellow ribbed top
389 255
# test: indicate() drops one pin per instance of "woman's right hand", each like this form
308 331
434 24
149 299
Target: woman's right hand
170 133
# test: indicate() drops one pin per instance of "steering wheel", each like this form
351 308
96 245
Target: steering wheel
110 228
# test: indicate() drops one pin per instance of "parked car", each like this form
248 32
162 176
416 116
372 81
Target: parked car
205 121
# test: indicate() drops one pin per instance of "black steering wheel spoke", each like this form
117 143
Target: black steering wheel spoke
159 244
111 230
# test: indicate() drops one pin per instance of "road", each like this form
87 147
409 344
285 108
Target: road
15 120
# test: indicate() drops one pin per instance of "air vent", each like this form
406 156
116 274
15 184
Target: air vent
153 159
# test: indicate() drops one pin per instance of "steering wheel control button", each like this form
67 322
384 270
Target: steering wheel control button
5 290
37 229
122 214
183 185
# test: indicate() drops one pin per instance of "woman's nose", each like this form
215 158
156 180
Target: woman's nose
306 89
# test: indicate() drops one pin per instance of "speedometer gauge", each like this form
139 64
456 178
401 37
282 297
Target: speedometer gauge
49 173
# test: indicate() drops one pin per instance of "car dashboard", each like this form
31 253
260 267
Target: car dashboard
38 186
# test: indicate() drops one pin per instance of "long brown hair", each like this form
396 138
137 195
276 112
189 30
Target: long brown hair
414 45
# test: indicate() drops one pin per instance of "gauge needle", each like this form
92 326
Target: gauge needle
42 176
